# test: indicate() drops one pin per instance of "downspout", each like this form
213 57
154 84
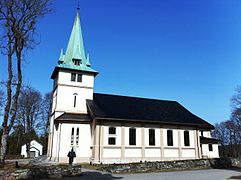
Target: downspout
54 108
198 144
59 139
99 140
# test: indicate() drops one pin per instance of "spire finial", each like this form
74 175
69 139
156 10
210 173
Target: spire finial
78 8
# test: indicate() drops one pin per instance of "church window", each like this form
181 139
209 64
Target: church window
112 130
76 77
111 141
169 137
79 78
186 138
151 137
112 138
73 77
132 136
75 97
210 147
77 137
72 137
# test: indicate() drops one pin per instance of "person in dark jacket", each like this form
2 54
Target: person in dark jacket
71 156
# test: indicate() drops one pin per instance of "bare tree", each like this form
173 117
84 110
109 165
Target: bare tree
47 107
19 19
1 101
29 113
220 133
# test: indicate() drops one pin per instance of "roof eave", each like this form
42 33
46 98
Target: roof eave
56 69
199 126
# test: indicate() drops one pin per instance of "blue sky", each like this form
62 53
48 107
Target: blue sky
188 51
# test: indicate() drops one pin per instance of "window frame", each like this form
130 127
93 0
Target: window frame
112 130
169 137
75 99
111 143
72 137
79 77
73 77
186 137
132 136
152 139
77 136
210 147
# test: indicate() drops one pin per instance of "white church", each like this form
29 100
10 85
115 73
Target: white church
106 128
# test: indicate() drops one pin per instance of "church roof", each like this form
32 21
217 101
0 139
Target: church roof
75 51
73 117
124 108
206 140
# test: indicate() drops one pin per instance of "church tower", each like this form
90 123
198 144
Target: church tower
73 85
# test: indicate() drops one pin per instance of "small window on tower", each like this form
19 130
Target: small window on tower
77 62
79 78
75 96
73 77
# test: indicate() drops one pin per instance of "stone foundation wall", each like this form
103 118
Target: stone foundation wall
42 172
170 165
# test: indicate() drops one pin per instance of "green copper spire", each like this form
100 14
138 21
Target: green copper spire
75 58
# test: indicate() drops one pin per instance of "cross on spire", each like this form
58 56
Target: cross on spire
78 6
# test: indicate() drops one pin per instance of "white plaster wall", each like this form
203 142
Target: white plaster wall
65 99
188 153
150 152
175 137
133 152
65 78
171 153
210 154
83 149
111 153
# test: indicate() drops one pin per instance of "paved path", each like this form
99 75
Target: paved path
210 174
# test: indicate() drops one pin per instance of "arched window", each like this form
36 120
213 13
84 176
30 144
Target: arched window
75 99
77 137
72 137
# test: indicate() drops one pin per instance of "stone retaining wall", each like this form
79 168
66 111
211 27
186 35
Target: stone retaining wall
42 172
170 165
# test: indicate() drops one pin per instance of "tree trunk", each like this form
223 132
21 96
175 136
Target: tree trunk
3 147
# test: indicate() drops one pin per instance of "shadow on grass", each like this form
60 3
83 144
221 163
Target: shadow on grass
90 175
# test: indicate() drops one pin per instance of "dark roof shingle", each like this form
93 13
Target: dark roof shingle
143 109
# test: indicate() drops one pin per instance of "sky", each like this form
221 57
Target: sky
188 51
